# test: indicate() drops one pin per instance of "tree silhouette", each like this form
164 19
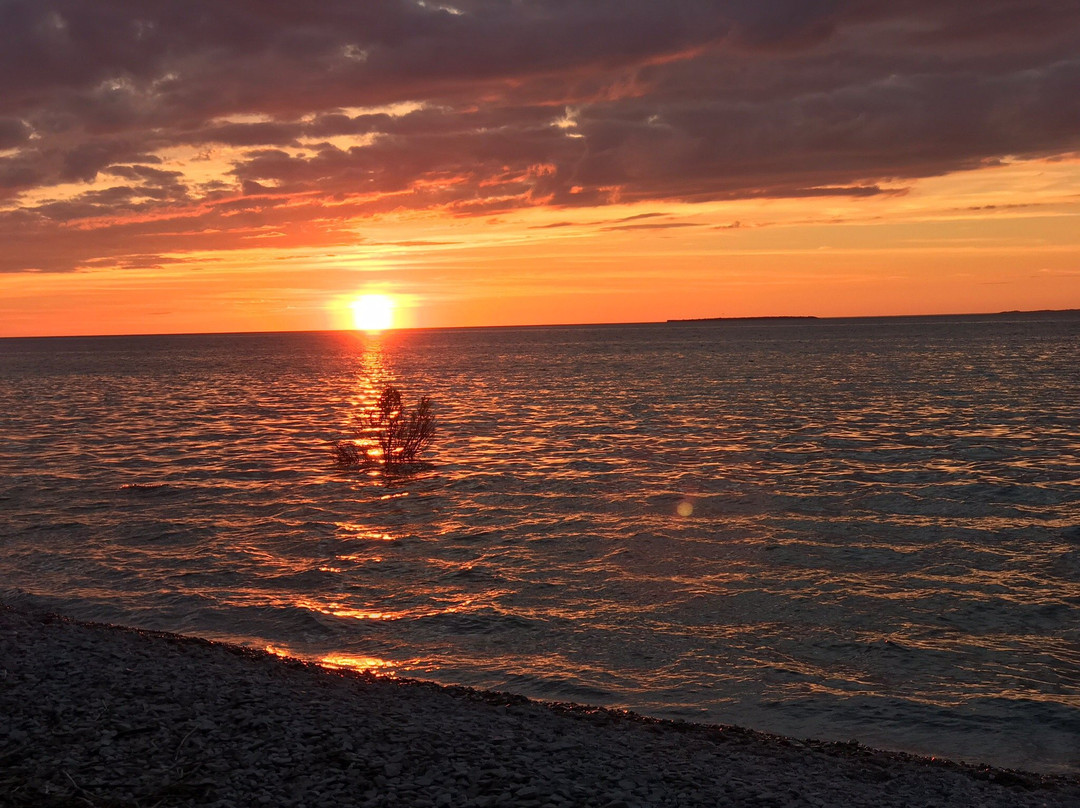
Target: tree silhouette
390 436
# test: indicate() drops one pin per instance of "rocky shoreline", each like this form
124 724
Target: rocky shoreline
96 715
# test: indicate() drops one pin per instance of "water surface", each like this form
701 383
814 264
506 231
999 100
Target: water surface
843 529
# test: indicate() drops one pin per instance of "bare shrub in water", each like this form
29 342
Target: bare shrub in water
390 436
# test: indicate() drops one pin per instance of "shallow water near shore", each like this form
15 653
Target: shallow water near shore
864 529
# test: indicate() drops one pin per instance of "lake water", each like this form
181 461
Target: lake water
861 529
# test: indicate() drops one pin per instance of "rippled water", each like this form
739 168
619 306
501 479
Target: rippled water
839 529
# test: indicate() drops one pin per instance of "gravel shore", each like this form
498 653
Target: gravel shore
94 715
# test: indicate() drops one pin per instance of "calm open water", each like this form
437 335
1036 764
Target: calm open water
842 529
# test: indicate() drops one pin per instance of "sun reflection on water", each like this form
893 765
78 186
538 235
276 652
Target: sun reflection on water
452 605
358 663
342 661
355 530
338 610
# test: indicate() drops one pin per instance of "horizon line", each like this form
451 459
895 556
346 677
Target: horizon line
804 318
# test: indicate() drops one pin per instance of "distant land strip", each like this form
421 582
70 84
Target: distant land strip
807 317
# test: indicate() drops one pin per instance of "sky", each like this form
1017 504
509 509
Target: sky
245 165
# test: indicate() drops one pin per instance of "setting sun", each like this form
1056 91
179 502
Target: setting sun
373 312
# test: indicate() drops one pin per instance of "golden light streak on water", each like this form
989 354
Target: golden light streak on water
358 663
338 610
341 661
363 532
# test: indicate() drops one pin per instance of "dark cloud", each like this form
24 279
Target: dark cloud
247 134
508 104
146 173
13 132
19 173
82 162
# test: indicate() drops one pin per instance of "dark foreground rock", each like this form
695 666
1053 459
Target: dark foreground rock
95 715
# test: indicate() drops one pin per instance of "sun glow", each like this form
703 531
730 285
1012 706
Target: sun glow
373 312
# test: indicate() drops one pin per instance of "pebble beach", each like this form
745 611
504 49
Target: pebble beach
99 715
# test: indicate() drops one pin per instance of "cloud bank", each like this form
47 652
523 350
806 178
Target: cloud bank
217 125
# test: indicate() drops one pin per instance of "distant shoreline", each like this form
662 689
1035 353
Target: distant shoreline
812 318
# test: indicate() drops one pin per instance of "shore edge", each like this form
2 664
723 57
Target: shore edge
120 716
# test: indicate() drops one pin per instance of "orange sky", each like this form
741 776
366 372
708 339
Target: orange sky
258 173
